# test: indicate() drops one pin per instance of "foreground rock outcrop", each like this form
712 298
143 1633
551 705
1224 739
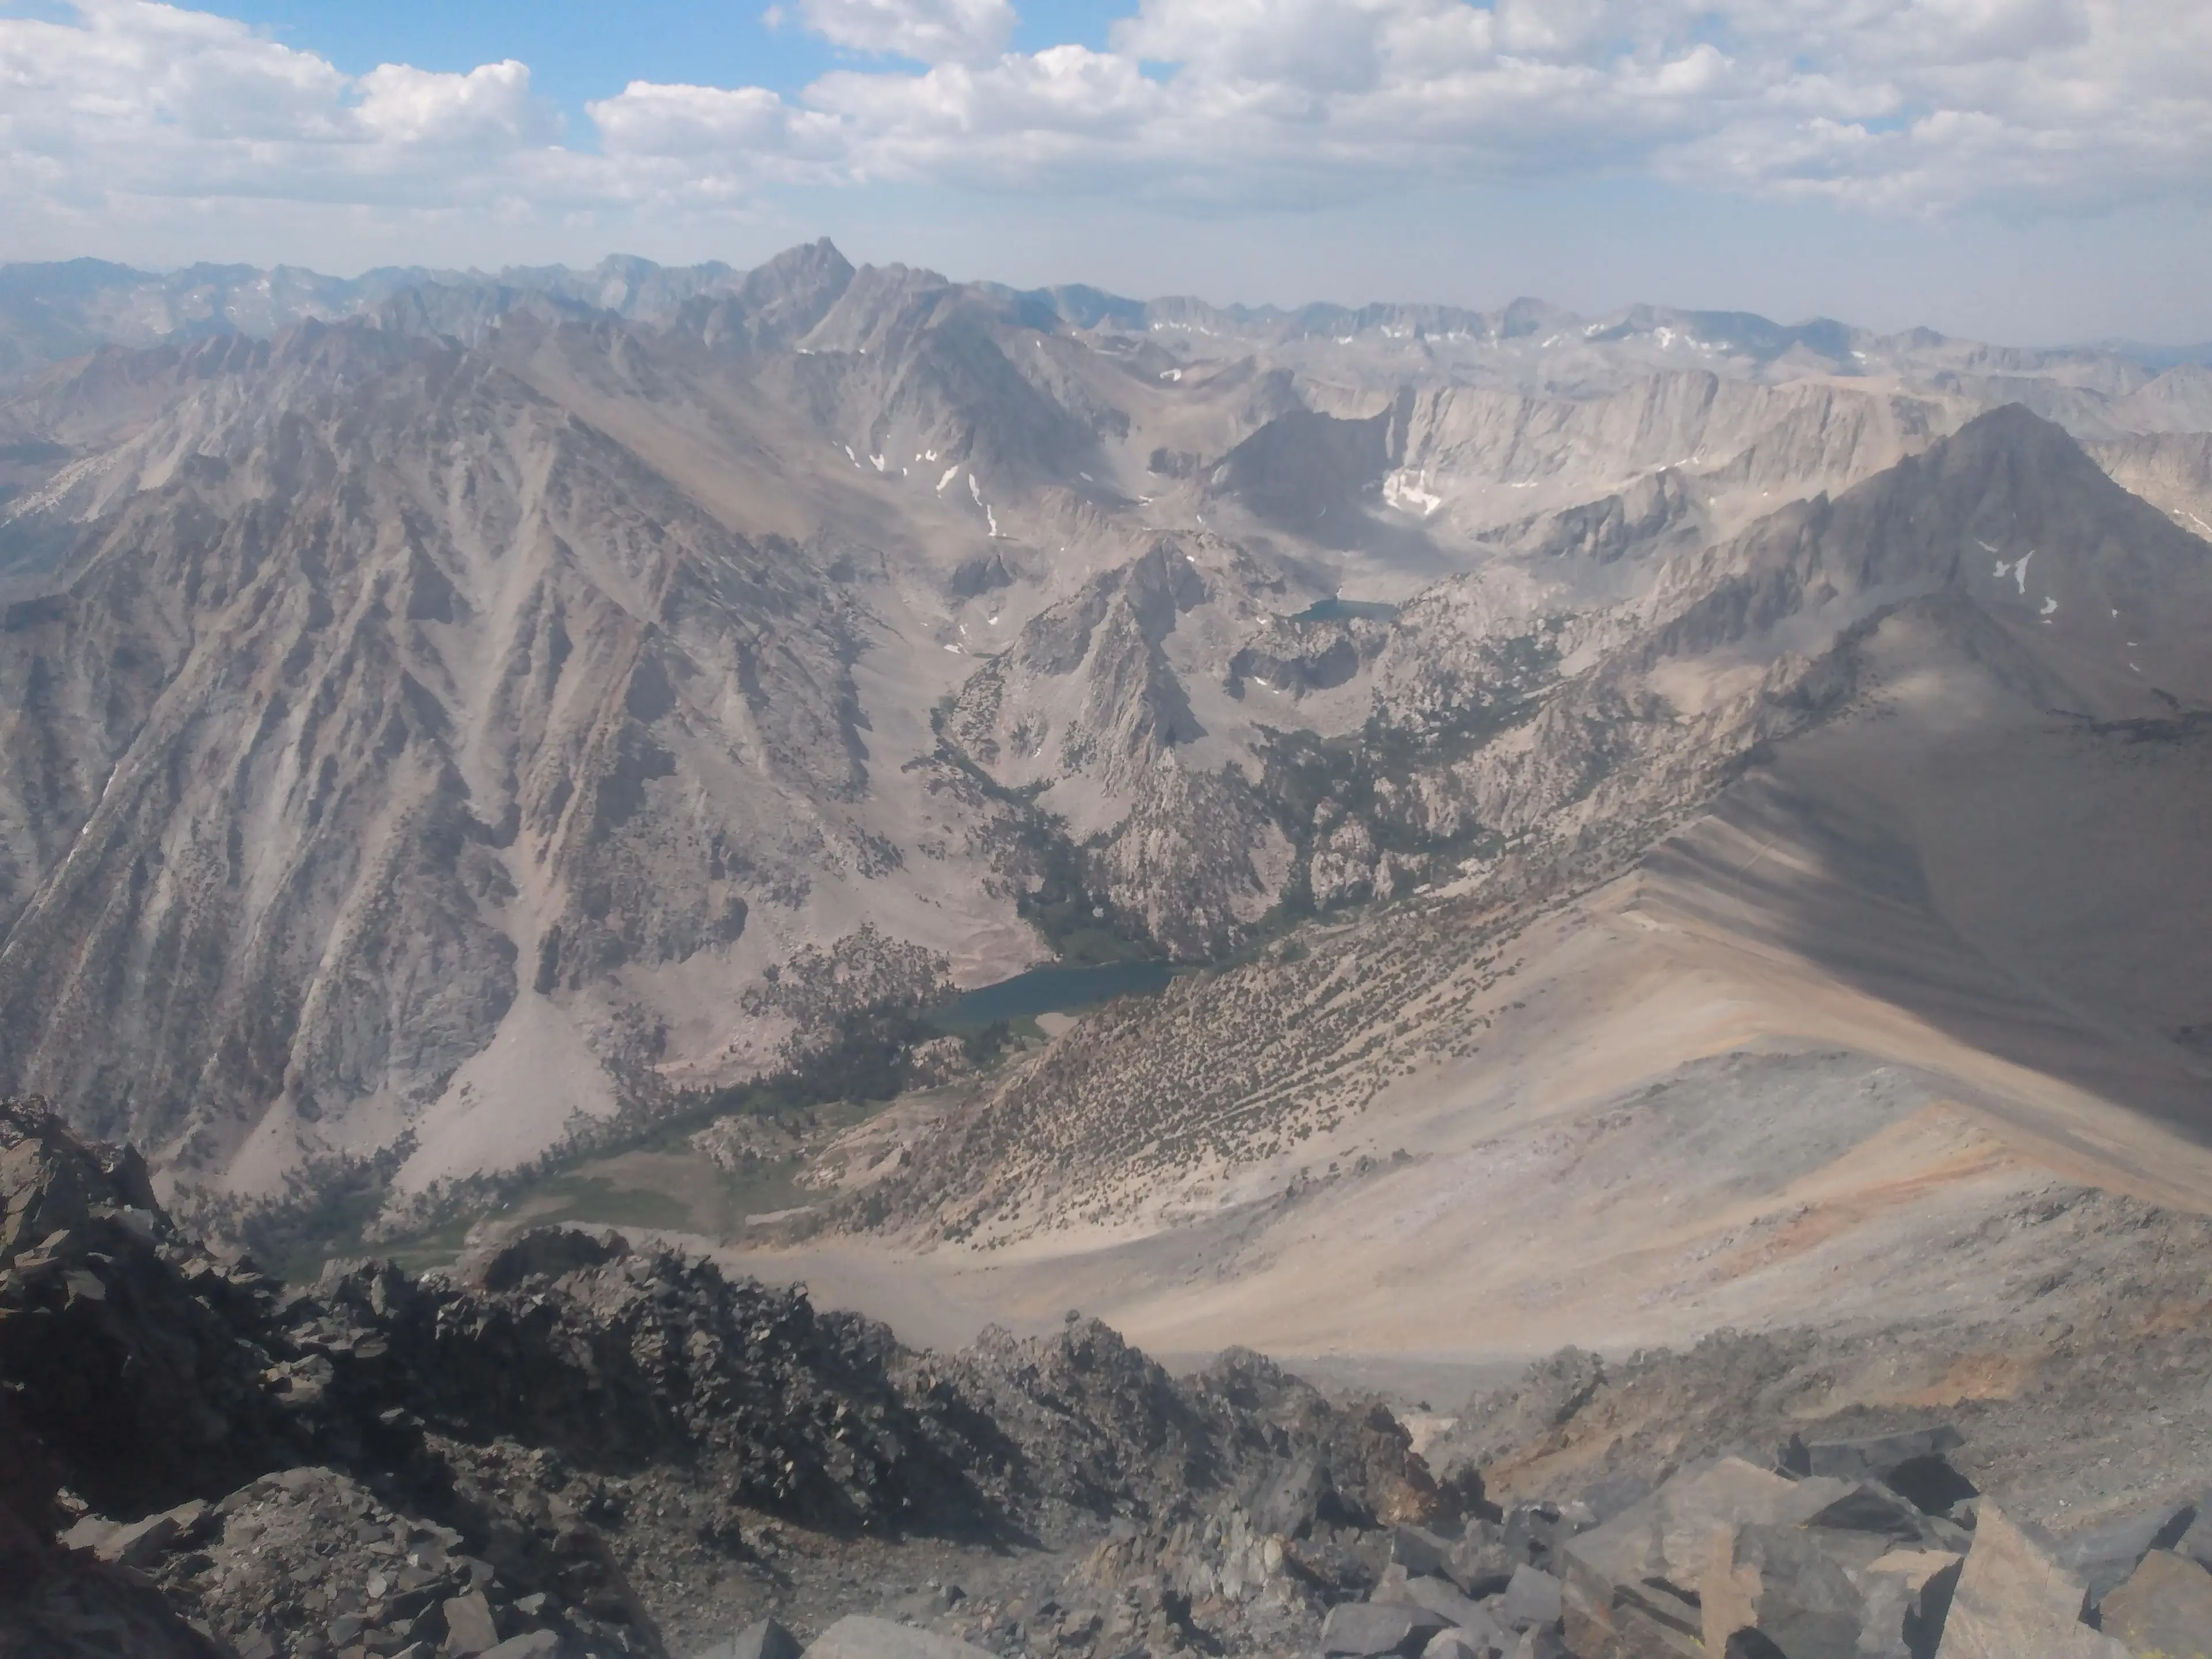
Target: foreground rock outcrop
571 1447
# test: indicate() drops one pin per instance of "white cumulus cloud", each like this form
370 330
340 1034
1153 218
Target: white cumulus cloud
929 31
1892 105
490 104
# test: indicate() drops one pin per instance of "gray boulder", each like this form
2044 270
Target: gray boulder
2164 1609
1867 1507
2016 1601
469 1627
1291 1497
2196 1542
766 1639
1633 1584
1434 1595
1531 1598
1784 1583
860 1638
140 1544
1457 1644
1364 1629
1481 1563
2106 1554
1534 1532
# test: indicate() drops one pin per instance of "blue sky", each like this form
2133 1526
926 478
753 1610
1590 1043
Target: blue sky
577 51
2027 170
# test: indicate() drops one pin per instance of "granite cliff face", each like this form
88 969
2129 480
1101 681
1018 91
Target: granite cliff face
375 695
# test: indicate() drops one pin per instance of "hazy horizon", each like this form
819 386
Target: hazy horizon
2038 171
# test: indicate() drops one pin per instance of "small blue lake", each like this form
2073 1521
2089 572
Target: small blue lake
1347 611
1053 991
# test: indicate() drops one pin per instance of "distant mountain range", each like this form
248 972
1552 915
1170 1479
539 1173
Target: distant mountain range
445 710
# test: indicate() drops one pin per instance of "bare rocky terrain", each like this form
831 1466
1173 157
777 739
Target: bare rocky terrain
455 707
1682 832
570 1446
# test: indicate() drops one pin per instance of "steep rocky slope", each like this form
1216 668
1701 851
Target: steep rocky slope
380 708
568 1448
1836 903
442 727
2168 470
569 1436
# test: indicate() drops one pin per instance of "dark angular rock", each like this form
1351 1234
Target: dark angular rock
1870 1458
1431 1594
1911 1464
541 1253
149 1391
1869 1508
1291 1497
1419 1551
1533 1532
766 1639
2105 1555
1482 1563
1332 1566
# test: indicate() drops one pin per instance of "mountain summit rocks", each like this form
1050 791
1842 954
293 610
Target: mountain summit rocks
569 1447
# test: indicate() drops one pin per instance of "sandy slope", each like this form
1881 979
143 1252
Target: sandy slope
1823 1055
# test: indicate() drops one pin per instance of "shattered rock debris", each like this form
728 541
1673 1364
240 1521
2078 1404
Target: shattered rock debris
575 1448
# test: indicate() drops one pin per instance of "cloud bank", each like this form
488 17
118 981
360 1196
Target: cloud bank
1905 107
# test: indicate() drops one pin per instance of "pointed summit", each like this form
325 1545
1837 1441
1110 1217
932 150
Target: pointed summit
778 302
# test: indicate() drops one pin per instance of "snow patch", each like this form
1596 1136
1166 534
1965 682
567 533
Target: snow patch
1409 492
951 473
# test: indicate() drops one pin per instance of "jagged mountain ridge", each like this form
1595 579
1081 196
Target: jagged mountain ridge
444 639
779 516
55 311
1834 699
